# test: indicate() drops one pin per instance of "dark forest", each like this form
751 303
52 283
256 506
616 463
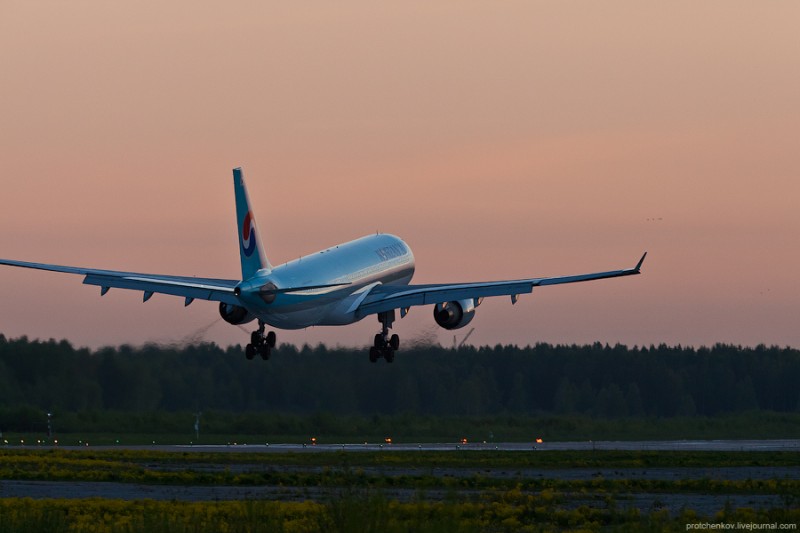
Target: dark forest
593 380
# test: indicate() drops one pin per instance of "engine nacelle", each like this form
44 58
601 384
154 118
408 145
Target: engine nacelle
454 315
234 314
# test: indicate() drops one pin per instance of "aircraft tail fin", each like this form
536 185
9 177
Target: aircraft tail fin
251 250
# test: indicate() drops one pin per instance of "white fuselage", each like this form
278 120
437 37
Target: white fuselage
358 265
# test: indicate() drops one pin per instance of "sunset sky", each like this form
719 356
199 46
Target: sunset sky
500 140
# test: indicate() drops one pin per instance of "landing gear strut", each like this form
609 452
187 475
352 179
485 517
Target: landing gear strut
259 343
384 346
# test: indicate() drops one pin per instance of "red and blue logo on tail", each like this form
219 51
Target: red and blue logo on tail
251 251
248 235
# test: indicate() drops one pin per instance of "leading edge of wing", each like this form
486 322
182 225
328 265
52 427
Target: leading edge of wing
589 277
387 297
189 287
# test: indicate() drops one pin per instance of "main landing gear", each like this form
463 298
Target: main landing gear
259 343
384 345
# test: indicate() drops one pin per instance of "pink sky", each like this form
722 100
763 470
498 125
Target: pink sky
499 140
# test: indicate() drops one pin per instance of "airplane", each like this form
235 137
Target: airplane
333 287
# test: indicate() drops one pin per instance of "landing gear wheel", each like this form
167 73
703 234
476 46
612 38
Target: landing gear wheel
260 344
383 345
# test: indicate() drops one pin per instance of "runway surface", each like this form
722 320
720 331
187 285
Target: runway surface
673 445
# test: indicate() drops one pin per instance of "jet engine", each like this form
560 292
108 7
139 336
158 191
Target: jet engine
234 314
455 315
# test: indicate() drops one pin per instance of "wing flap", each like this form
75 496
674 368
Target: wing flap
387 297
200 291
220 290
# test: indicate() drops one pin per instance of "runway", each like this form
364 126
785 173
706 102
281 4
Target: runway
671 445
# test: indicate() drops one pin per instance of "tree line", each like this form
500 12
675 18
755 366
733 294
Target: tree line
595 380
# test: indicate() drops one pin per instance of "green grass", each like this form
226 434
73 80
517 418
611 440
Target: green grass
261 428
424 458
368 511
346 468
418 459
354 488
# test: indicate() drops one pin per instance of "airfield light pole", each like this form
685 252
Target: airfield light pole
49 425
197 425
456 344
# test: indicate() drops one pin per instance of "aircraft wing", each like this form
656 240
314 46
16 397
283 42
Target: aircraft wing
388 297
220 290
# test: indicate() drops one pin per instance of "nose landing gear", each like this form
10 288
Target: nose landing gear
259 343
384 346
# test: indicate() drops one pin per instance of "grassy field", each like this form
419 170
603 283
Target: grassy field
357 512
260 428
90 460
405 491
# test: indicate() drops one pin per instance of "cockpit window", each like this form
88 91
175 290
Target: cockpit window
390 252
